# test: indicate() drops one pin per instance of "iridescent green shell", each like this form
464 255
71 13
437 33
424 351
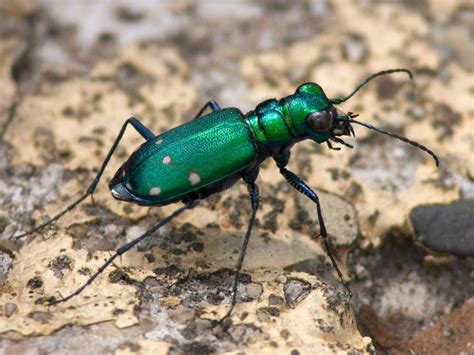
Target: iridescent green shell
191 156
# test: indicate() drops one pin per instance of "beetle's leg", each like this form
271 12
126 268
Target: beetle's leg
301 186
124 248
339 140
140 127
254 199
144 132
212 104
330 146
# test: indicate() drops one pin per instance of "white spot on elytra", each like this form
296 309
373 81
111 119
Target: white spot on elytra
154 191
124 173
159 141
194 178
128 186
167 160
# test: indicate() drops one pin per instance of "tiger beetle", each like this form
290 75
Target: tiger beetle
209 154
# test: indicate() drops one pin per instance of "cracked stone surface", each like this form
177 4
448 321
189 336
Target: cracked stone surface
71 73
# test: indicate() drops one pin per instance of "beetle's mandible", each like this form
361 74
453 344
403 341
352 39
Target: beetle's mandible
212 152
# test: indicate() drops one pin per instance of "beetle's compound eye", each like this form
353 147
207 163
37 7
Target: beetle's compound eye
321 121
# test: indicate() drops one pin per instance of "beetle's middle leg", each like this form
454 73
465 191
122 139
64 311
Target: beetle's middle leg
254 199
140 128
212 104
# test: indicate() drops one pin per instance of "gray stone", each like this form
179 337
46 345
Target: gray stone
296 291
446 228
10 308
5 264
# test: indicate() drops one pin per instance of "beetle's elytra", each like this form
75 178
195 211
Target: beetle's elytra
212 152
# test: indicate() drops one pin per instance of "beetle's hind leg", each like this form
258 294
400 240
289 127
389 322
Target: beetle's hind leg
140 128
124 248
254 199
212 104
301 186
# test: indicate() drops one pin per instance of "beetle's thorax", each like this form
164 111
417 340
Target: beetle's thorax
271 126
278 124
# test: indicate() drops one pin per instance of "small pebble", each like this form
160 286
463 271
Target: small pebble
10 308
35 282
5 264
263 316
296 291
274 300
251 291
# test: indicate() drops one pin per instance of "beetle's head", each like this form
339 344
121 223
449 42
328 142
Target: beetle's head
315 116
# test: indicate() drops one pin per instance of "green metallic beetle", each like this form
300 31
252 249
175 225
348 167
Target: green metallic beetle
212 152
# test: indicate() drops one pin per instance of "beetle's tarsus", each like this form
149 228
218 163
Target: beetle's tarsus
341 141
93 200
53 219
330 146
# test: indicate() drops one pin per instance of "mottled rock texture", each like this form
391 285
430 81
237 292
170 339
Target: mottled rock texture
72 72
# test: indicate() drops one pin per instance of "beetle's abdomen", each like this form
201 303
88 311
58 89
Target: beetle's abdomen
192 156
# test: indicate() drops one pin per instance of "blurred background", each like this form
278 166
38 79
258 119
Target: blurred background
71 72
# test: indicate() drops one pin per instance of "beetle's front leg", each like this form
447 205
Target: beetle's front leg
144 132
330 146
303 188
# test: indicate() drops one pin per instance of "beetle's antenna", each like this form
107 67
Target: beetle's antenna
394 135
339 100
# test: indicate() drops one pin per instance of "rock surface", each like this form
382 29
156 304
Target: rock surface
71 73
